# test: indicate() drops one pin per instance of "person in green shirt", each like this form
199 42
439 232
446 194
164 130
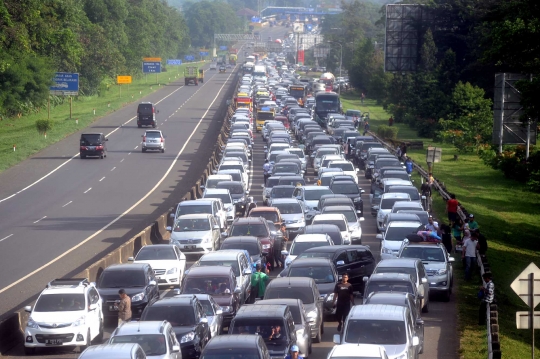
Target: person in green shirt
258 283
472 223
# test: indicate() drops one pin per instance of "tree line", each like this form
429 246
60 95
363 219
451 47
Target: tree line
449 97
99 39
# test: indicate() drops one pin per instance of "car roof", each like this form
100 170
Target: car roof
403 224
323 228
291 302
377 312
141 327
398 262
127 266
328 216
312 237
264 209
284 200
314 187
210 270
196 202
223 255
407 217
92 133
243 220
240 239
261 311
391 298
395 195
337 208
110 351
360 351
311 262
291 282
232 341
337 248
180 300
381 277
195 216
216 191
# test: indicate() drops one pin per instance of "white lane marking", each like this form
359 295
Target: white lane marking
113 169
88 190
129 209
136 147
122 160
6 237
102 179
76 155
67 204
129 153
40 219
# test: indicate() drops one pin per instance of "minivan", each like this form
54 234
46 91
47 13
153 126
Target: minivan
93 144
146 114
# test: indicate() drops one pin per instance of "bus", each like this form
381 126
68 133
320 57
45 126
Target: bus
325 103
259 70
299 92
248 68
250 58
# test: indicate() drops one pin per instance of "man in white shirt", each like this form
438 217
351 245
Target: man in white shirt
469 253
432 225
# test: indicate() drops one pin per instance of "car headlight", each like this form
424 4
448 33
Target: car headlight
172 270
442 271
137 297
226 309
329 297
78 322
386 250
266 246
188 337
230 209
32 324
312 315
357 199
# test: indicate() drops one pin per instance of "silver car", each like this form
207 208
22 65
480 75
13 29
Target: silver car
195 233
213 312
292 212
153 140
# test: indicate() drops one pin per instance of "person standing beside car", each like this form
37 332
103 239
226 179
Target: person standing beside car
343 299
124 307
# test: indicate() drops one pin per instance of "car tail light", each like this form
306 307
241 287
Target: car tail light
144 139
161 139
99 148
83 148
153 109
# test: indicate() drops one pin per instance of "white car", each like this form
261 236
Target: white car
337 219
195 233
393 237
213 180
68 312
347 167
235 165
357 351
303 242
386 204
325 161
213 66
225 196
166 260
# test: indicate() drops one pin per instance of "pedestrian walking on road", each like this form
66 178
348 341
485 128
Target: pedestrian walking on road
482 241
343 299
446 236
124 307
469 254
258 283
366 127
404 151
457 231
432 224
451 208
488 297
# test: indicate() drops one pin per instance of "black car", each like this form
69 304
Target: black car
238 194
251 244
351 190
323 272
93 144
137 279
331 230
236 346
146 114
188 319
355 260
211 280
274 323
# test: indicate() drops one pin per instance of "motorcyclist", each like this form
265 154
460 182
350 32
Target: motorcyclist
267 169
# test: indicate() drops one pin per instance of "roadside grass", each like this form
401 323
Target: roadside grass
508 217
22 133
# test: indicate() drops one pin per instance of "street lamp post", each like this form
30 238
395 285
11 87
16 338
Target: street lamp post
340 61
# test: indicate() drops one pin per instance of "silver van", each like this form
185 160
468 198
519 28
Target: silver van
114 351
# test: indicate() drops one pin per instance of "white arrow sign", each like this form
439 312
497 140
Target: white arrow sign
521 284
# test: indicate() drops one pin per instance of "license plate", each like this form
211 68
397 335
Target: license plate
113 308
91 148
53 341
189 247
158 277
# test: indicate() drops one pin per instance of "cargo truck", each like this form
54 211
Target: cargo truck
191 75
232 59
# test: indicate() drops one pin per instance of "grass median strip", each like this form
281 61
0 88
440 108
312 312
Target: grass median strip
19 138
508 217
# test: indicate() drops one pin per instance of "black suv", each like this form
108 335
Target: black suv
273 322
355 260
256 227
137 279
236 346
351 190
251 244
93 144
188 319
146 114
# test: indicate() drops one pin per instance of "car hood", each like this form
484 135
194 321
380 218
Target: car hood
277 348
394 350
237 195
383 212
190 235
352 195
162 264
292 216
58 317
431 265
326 288
223 300
393 245
181 331
109 294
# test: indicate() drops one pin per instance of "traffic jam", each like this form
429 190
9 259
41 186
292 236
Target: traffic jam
258 276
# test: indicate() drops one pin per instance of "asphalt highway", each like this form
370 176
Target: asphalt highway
61 213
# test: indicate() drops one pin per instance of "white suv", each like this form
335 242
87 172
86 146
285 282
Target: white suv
67 313
153 140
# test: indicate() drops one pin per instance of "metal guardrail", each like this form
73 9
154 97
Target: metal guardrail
492 326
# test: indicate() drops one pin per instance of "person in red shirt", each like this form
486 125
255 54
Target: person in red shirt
451 208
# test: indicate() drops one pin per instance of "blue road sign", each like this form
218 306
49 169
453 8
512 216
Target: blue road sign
189 58
65 83
174 62
203 53
223 48
151 67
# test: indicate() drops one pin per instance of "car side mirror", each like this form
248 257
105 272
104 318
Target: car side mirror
176 348
203 320
424 280
340 263
336 339
131 259
415 341
379 236
237 290
203 187
451 259
168 228
93 307
419 321
365 279
28 309
152 282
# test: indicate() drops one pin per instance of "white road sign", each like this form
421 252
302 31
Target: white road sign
520 285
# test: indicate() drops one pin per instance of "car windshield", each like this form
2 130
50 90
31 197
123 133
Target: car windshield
292 182
150 253
256 230
319 274
343 166
192 225
90 139
345 188
212 183
288 208
321 153
396 233
64 302
152 344
208 308
178 316
233 264
315 195
299 247
251 247
305 294
425 254
285 168
153 134
315 255
122 279
381 332
297 152
194 209
389 286
282 192
207 285
233 188
224 197
232 167
265 329
397 175
350 214
388 203
342 225
390 163
412 192
231 353
269 216
404 270
271 182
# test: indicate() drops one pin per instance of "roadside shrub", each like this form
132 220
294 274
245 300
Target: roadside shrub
391 132
43 126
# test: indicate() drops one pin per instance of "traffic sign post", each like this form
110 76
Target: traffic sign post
151 65
174 62
65 84
527 287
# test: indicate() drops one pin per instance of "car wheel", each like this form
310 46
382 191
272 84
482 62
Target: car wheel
88 342
319 336
447 294
162 150
29 351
